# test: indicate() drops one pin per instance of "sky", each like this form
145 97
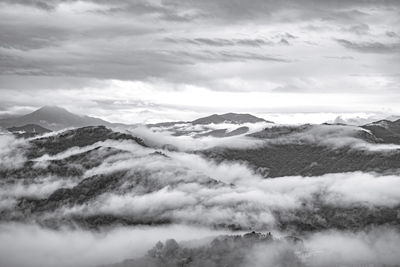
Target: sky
160 60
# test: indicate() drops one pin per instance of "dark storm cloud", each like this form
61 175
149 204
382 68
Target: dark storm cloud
370 47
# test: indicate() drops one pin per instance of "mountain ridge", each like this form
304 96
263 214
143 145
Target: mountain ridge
54 118
28 130
231 117
234 118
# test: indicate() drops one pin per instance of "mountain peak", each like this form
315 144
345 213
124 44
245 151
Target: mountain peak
49 108
235 118
54 118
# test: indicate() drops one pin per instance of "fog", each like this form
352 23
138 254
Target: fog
376 247
189 143
34 246
43 247
41 187
186 196
250 205
334 136
177 189
373 247
11 151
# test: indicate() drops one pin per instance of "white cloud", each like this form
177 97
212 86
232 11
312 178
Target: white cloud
46 248
11 151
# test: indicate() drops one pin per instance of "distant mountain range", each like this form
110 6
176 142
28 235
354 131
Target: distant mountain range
230 118
50 118
213 125
56 118
311 150
53 118
233 118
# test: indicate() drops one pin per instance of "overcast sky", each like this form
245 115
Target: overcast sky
134 61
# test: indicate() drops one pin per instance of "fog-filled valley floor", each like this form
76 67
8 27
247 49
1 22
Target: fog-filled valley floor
218 191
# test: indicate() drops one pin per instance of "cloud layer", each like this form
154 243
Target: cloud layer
146 58
80 201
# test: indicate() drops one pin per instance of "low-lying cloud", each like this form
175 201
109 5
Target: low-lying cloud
160 186
374 247
334 136
11 151
40 247
187 142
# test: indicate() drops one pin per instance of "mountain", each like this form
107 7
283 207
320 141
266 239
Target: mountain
224 133
92 165
234 118
28 130
224 250
277 160
393 118
213 125
95 178
54 118
312 150
385 130
80 137
166 124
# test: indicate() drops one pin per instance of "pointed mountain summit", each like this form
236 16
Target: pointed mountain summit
54 118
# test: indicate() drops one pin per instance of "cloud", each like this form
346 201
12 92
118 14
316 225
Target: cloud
46 248
220 42
228 56
370 47
12 151
41 187
45 5
66 45
375 247
187 189
134 60
180 189
188 143
358 120
333 136
392 34
359 29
